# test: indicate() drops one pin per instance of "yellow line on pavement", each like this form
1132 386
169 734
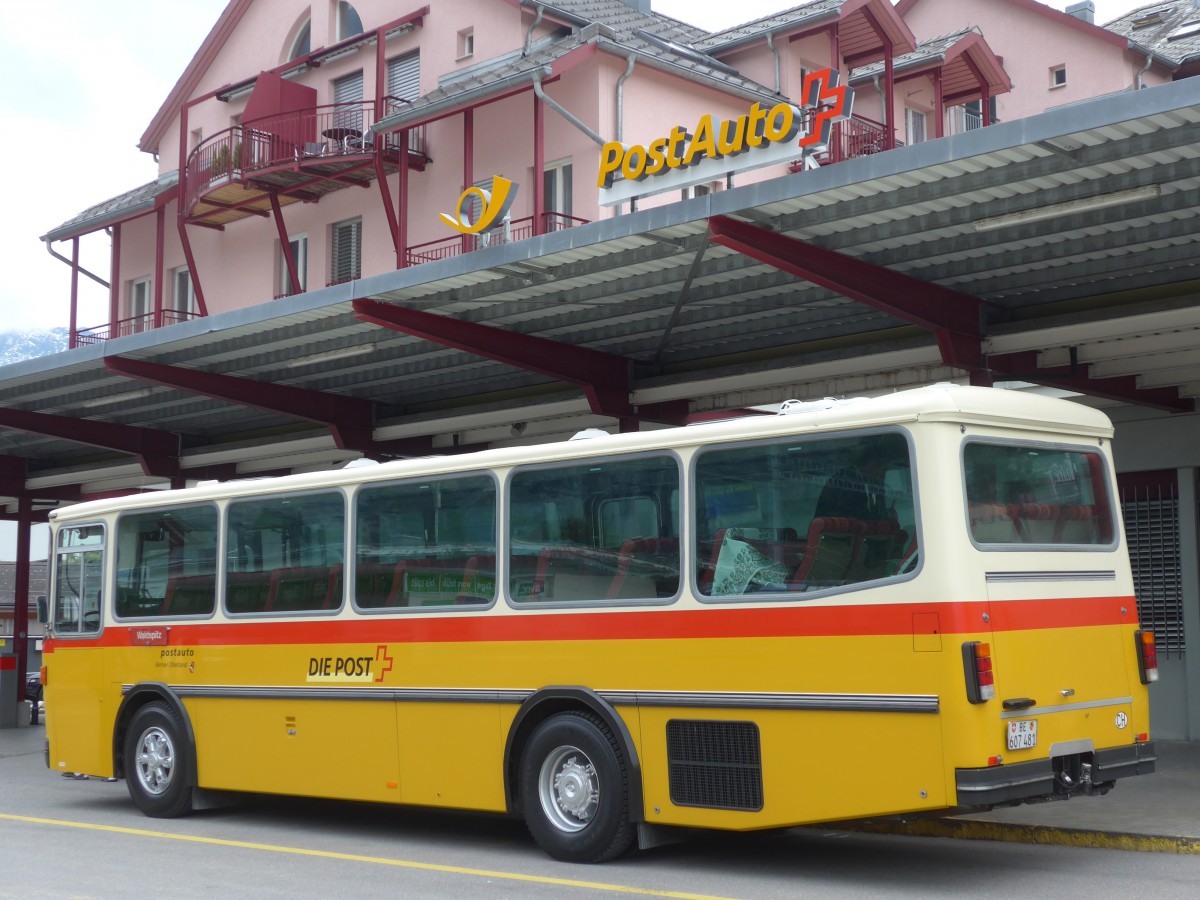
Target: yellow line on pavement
377 860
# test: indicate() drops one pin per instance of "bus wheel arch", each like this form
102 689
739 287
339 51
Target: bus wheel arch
549 723
178 728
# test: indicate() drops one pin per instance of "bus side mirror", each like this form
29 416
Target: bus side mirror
43 612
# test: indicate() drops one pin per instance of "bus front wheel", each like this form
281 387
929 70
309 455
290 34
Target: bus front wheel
156 762
574 789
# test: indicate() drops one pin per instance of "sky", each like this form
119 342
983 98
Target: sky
85 78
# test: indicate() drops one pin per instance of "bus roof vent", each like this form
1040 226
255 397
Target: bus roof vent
588 433
793 407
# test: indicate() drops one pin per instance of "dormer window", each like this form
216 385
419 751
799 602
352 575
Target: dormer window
302 43
348 21
1154 17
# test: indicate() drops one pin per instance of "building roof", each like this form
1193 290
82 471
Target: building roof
1047 12
809 14
944 50
548 57
1170 30
124 206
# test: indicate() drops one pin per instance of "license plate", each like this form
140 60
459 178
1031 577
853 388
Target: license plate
1022 734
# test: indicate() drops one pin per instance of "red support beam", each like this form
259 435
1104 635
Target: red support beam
285 244
604 377
953 317
350 419
1023 366
21 592
157 451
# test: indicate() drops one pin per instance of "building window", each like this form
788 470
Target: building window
404 76
1058 76
556 195
466 43
914 123
184 300
699 190
302 43
348 101
284 285
141 303
345 251
348 21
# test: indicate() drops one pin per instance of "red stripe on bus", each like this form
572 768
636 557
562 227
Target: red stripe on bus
658 624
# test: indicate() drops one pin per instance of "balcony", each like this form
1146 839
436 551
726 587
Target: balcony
855 137
297 157
124 327
516 230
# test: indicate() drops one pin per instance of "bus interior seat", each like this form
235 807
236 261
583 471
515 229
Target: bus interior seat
633 548
831 549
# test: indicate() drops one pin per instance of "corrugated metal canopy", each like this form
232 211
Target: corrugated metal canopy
1078 229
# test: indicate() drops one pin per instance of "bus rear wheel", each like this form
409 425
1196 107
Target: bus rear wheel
157 760
574 789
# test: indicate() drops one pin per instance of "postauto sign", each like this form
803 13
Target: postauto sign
714 148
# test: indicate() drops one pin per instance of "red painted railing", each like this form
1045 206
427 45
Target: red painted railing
123 327
330 131
855 137
517 230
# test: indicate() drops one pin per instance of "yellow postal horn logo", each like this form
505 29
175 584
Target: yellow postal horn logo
494 205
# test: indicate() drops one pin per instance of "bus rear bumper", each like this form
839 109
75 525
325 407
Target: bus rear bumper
1056 778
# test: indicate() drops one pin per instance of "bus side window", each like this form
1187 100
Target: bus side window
850 496
602 530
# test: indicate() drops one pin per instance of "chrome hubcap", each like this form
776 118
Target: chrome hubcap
569 789
155 761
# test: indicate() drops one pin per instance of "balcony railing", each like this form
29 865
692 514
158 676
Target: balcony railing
124 327
516 230
855 137
326 133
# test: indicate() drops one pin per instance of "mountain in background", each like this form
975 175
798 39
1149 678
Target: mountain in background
18 345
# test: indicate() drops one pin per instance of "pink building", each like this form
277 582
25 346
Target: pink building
1053 58
310 144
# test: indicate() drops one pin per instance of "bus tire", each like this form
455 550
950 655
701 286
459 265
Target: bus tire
157 762
574 789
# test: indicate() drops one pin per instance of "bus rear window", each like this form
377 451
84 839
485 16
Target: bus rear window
1036 494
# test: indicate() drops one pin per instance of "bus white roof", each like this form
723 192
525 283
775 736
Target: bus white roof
941 402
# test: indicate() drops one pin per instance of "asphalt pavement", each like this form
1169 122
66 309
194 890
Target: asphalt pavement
1159 812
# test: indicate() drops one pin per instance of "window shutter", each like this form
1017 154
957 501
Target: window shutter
1151 513
346 252
404 76
348 96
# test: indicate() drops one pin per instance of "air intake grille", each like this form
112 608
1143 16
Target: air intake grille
714 764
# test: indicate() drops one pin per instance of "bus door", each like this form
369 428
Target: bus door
75 680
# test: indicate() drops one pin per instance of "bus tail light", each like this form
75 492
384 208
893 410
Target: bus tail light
1147 655
977 667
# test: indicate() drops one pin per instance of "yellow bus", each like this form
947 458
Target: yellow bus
905 605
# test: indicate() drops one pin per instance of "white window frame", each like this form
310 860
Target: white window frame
299 243
466 43
141 301
558 189
187 304
916 120
1055 80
